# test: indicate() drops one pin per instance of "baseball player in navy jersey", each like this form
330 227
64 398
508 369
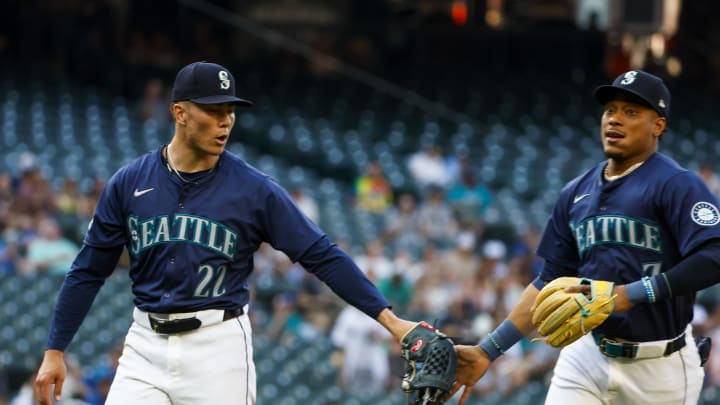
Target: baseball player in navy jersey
191 216
645 223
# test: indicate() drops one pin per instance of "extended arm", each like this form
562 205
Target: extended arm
76 296
474 361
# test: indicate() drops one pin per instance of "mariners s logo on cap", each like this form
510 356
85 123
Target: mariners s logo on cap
224 81
629 77
705 214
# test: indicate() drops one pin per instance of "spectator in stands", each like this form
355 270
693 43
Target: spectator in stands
318 305
294 314
398 290
459 317
402 226
305 202
99 385
458 163
364 371
428 167
432 291
8 257
21 229
523 250
460 263
86 206
470 201
66 202
437 222
294 300
493 259
373 261
6 196
153 105
373 192
34 193
406 264
707 173
479 283
50 251
511 285
99 378
96 188
283 318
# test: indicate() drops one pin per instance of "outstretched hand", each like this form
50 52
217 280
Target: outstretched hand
473 362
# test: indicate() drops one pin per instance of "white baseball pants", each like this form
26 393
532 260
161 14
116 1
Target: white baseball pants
583 375
210 365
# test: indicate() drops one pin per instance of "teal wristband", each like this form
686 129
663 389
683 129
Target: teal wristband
643 290
649 290
501 339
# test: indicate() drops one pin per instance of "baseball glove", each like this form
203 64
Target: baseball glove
431 364
563 317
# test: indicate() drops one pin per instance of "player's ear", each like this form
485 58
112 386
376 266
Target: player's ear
178 111
659 125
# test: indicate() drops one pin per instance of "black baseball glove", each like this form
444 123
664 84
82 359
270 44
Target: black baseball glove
431 364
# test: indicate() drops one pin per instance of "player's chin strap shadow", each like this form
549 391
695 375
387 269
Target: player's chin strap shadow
425 396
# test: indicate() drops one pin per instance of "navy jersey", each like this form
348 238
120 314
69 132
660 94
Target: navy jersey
192 244
635 226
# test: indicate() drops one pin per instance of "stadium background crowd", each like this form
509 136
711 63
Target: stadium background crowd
439 247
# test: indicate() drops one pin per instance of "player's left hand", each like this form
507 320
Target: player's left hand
473 362
621 301
563 316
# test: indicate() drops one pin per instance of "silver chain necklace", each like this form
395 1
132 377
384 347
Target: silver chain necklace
171 167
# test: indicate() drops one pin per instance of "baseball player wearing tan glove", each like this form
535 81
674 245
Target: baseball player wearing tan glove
640 220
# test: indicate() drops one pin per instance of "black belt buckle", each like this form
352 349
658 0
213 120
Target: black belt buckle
171 327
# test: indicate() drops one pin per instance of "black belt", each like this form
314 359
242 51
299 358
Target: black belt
615 348
170 327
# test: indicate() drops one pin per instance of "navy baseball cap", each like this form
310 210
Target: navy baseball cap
206 83
648 88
